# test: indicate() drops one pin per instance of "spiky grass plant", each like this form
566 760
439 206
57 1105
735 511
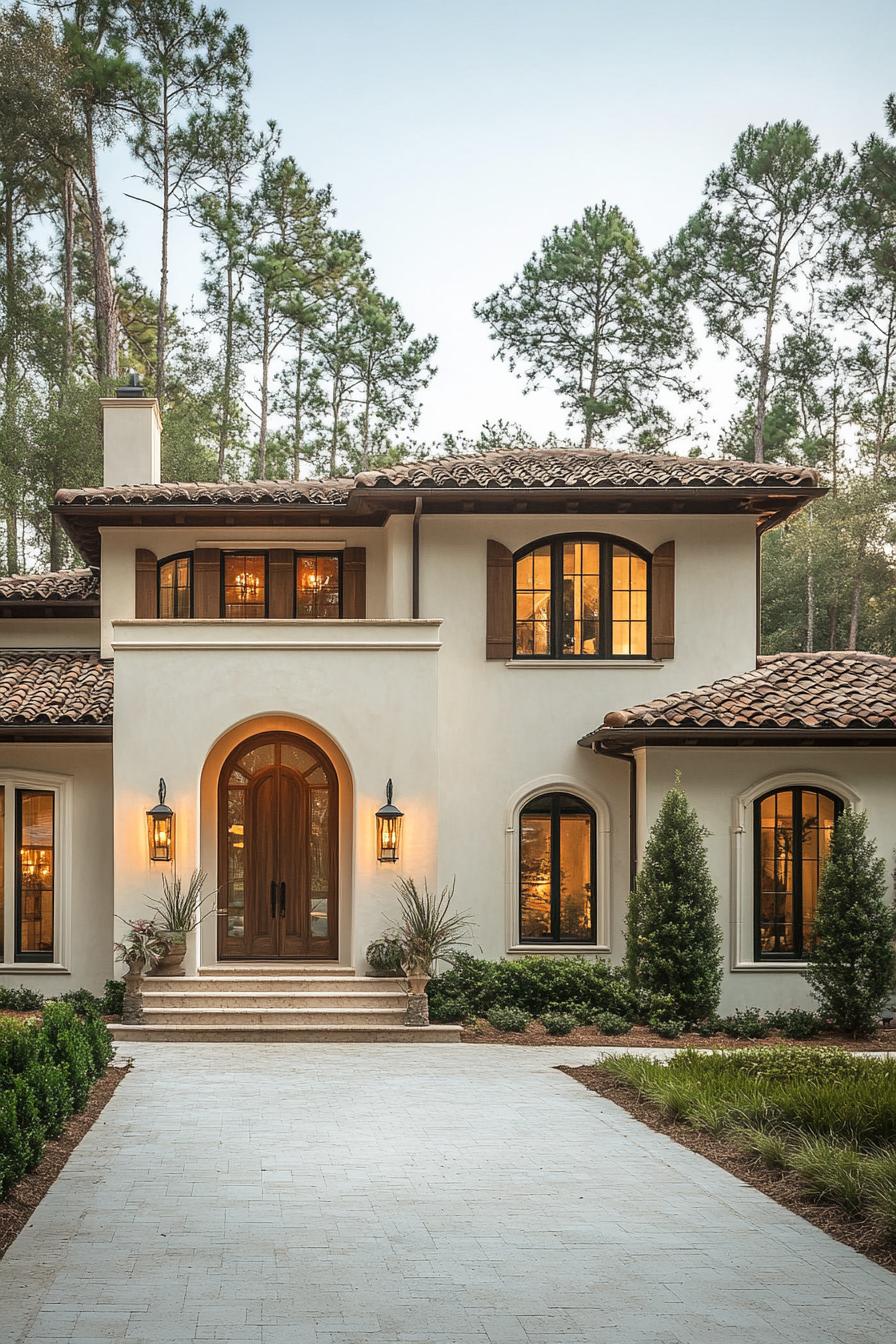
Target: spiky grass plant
181 910
430 930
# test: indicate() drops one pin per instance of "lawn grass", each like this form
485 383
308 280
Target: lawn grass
823 1116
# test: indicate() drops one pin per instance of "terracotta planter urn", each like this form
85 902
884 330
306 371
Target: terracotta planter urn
172 963
417 1010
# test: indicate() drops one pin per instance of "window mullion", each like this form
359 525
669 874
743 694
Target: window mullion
555 869
798 874
556 599
605 599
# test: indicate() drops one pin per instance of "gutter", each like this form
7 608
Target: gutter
415 559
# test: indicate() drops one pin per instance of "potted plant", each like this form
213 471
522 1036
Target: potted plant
384 954
178 913
142 946
429 930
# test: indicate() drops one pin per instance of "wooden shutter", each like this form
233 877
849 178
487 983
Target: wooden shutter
662 602
499 602
281 584
354 583
206 584
146 587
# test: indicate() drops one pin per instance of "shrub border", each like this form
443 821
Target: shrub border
24 1197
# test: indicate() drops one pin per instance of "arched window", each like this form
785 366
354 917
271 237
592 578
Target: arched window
176 587
557 870
792 830
581 597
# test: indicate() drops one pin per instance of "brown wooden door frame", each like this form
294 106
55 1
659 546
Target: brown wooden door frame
276 914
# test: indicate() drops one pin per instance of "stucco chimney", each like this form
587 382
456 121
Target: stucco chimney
132 429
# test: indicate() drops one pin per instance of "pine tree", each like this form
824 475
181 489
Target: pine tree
674 942
852 964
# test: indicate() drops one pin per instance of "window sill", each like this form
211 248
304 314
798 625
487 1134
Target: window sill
33 968
777 966
558 949
583 662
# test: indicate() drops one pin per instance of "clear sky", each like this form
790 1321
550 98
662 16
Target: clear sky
456 133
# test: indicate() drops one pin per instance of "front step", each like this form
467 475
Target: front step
264 968
287 1001
301 1035
277 999
274 1017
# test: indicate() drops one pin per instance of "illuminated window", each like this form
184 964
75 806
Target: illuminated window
792 837
581 597
557 865
176 588
318 587
245 586
35 874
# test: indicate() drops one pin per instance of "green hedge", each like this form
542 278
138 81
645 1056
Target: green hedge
46 1071
537 985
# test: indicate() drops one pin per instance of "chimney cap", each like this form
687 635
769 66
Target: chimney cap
132 389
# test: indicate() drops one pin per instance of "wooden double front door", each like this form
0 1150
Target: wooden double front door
278 810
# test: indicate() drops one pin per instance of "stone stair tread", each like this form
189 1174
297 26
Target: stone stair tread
188 1032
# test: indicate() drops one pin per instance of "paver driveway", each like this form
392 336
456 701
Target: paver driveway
284 1194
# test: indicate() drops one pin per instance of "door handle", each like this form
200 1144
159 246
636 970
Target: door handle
282 899
273 899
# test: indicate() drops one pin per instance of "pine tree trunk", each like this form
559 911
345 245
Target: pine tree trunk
162 320
765 359
68 285
105 299
224 434
9 471
265 376
810 602
832 627
856 600
297 410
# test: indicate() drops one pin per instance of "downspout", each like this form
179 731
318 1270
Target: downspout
629 758
415 559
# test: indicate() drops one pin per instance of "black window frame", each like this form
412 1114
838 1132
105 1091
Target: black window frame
606 541
329 555
557 799
33 958
267 583
797 790
167 560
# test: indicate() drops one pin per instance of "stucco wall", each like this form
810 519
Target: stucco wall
84 911
719 783
56 633
181 689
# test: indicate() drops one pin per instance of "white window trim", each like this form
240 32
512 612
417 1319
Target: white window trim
742 956
61 788
600 806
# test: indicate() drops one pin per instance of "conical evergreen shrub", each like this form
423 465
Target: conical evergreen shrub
852 962
673 940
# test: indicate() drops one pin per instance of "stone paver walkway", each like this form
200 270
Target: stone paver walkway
425 1194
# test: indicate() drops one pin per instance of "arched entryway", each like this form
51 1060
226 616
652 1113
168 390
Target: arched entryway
278 846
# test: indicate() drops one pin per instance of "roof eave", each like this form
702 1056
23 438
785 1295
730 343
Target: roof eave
609 740
55 732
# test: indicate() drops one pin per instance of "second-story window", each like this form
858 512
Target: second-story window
176 588
318 586
581 597
245 585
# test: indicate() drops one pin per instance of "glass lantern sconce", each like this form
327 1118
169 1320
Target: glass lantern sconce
160 822
388 829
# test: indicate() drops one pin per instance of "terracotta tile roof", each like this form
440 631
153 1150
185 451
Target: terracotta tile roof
811 692
534 469
577 469
63 585
61 687
259 493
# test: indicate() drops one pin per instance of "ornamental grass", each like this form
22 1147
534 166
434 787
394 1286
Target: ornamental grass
825 1116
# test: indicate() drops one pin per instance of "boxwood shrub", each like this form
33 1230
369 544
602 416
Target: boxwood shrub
537 985
46 1070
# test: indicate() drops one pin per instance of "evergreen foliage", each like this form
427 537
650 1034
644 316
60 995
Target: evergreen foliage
852 962
674 942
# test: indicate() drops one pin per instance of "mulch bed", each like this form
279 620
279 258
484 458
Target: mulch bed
26 1194
780 1186
482 1033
